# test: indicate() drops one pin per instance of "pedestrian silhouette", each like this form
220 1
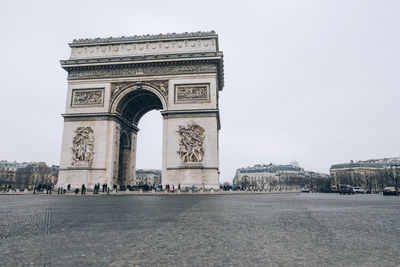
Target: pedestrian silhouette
83 189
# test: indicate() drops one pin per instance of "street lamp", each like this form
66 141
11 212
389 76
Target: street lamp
396 179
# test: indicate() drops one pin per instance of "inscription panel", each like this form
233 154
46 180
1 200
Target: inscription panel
192 93
88 97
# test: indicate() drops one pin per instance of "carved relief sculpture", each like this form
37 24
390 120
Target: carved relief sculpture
117 88
87 97
139 71
163 87
83 146
191 143
192 93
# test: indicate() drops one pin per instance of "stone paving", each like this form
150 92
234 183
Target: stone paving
199 230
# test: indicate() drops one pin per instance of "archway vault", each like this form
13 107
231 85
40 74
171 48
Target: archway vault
135 103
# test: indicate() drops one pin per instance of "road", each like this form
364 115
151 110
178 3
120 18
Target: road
263 229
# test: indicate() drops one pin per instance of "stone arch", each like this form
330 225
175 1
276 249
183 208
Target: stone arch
110 90
125 91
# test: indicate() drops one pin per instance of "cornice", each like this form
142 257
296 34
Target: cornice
191 113
106 57
100 116
142 59
85 69
141 38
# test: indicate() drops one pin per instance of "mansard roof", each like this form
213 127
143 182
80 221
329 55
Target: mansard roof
371 163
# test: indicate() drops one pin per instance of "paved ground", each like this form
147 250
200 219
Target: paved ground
201 230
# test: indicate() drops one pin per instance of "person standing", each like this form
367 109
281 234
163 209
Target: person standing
83 189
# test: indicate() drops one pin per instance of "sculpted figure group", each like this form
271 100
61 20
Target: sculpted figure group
83 146
191 143
192 93
88 97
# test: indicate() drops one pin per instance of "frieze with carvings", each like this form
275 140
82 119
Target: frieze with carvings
87 97
192 93
75 74
191 143
83 146
207 45
161 85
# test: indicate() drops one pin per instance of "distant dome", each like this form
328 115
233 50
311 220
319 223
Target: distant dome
294 163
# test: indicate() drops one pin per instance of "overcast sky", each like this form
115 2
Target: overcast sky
311 81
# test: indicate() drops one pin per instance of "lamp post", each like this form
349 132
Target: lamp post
396 180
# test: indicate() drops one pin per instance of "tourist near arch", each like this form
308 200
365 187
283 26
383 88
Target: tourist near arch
113 82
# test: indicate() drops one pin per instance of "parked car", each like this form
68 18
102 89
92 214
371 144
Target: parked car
390 190
359 190
345 189
305 190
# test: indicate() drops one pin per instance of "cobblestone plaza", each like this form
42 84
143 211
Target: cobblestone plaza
200 230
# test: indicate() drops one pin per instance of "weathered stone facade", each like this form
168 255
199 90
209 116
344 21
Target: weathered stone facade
373 174
8 172
286 178
27 174
147 177
113 82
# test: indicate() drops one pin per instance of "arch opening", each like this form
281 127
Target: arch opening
137 103
149 141
132 106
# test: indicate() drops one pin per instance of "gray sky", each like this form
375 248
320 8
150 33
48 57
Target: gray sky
312 81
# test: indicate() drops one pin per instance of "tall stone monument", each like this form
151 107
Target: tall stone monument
113 82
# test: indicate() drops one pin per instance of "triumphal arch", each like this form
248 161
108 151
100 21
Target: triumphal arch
113 82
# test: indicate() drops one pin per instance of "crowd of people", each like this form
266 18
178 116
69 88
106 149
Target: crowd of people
105 188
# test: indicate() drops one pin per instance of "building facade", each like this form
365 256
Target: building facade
373 174
273 177
27 174
147 177
7 172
